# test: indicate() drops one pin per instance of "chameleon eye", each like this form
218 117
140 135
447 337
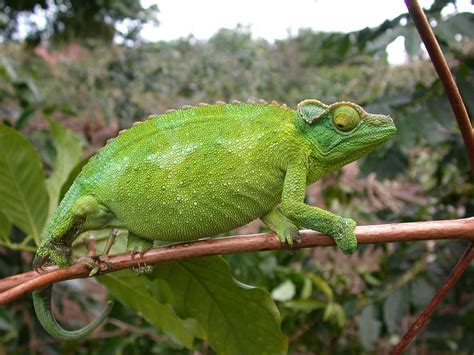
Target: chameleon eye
346 118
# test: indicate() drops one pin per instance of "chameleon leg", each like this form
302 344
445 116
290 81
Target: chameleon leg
110 241
281 226
85 213
138 245
95 266
66 224
293 207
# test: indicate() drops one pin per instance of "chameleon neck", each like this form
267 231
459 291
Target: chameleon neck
318 162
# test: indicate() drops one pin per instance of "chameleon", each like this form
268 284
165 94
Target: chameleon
203 170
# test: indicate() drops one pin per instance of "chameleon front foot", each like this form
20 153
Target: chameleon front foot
344 235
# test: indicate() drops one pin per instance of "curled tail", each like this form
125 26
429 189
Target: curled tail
42 304
66 224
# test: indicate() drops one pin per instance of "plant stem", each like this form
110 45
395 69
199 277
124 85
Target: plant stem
15 286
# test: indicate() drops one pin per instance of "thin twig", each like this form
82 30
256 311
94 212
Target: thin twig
424 317
462 117
16 286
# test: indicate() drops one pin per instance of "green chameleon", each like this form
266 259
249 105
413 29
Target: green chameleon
201 171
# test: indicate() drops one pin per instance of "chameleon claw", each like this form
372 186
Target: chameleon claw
40 270
142 269
38 263
94 270
290 235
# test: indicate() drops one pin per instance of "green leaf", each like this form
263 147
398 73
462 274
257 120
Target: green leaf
306 305
284 292
369 327
339 315
328 311
22 188
5 227
68 154
421 293
323 286
394 309
25 117
143 296
237 318
307 288
335 313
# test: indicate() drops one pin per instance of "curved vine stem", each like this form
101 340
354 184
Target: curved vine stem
462 117
16 286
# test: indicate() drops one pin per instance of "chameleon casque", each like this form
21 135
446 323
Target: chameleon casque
200 171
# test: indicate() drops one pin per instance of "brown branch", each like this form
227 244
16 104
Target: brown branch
16 286
464 123
424 317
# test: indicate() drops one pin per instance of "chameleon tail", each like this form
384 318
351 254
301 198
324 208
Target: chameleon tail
42 304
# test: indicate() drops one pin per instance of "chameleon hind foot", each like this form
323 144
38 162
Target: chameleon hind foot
137 245
52 253
143 269
38 263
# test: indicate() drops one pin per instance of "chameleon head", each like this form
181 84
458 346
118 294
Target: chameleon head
342 132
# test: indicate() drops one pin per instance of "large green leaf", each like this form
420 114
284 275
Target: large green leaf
23 195
143 296
68 154
237 318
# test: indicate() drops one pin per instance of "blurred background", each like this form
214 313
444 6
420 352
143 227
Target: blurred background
97 66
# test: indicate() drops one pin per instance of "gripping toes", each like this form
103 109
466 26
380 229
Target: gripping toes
344 236
55 253
289 233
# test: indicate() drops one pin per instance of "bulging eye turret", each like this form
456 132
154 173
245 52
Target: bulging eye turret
345 118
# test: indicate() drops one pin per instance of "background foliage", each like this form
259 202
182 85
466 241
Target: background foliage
63 76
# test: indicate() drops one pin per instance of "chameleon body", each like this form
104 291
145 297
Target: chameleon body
204 170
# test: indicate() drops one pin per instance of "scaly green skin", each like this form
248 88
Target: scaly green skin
204 170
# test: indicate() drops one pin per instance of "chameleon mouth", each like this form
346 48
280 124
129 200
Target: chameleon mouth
385 133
